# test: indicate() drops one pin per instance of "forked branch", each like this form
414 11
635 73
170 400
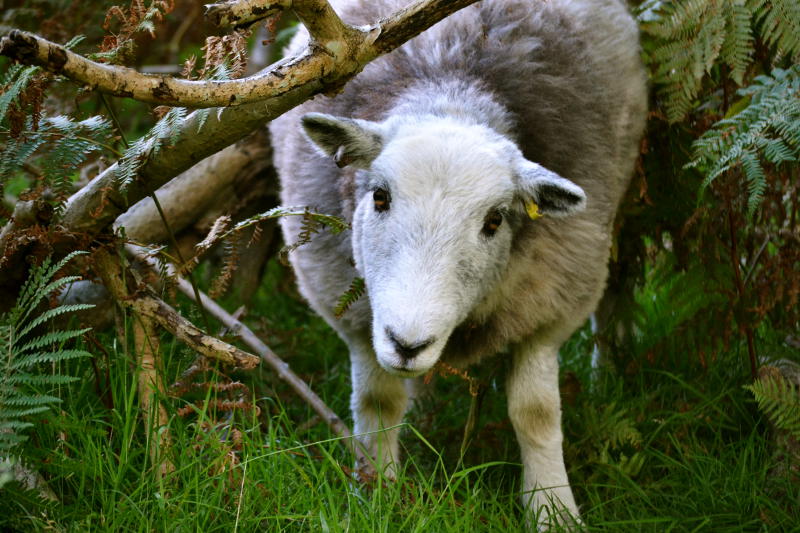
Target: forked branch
242 13
94 207
145 304
336 52
277 364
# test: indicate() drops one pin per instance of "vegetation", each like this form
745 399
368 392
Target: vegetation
692 425
24 349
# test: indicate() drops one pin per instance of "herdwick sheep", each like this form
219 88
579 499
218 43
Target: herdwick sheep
442 155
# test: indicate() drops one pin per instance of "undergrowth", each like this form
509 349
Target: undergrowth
668 447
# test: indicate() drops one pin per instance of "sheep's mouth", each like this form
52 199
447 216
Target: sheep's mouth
403 372
396 365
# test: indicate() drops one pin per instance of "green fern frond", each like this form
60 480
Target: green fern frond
73 42
36 358
25 378
21 78
779 400
23 349
52 313
164 133
780 23
346 300
56 337
30 401
768 129
10 412
738 43
693 36
59 145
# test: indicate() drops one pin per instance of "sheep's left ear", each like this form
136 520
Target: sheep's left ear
348 141
552 194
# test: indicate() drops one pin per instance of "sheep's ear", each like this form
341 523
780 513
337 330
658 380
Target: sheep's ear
552 194
349 141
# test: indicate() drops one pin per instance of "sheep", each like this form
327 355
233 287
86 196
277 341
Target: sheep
480 166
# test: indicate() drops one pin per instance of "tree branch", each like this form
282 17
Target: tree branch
96 206
327 29
242 13
151 391
277 364
162 89
341 45
188 196
110 271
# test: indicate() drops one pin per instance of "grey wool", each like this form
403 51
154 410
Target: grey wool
437 154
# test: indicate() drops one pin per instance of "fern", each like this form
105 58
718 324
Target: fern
780 23
779 400
23 348
767 129
13 83
60 145
693 36
346 300
165 133
312 223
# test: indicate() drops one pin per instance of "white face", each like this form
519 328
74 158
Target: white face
437 204
432 235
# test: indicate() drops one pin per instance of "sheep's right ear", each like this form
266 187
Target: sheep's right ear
349 141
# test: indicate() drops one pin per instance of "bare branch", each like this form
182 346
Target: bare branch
162 89
242 13
151 391
340 43
146 304
188 196
280 367
327 29
403 25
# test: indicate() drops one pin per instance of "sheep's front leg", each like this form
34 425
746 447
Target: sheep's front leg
379 400
534 405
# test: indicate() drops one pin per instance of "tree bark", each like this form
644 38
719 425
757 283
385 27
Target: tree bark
149 306
187 197
244 12
151 390
281 368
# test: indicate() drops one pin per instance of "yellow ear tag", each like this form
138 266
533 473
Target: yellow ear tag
533 210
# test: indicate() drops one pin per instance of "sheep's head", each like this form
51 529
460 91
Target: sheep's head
437 206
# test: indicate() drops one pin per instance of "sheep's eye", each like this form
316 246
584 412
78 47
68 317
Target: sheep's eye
492 222
381 199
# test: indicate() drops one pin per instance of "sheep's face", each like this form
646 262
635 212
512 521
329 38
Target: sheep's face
438 203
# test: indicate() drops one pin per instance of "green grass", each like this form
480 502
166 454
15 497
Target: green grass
671 447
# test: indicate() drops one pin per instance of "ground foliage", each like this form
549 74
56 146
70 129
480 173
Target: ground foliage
26 348
707 273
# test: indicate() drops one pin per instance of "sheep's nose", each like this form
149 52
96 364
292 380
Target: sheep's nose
405 349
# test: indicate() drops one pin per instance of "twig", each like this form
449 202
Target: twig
737 275
243 13
161 214
756 257
250 339
150 306
151 390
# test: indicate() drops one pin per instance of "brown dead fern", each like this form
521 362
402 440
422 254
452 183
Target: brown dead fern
138 17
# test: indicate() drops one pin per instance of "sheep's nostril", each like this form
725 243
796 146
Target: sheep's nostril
405 349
